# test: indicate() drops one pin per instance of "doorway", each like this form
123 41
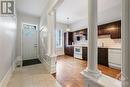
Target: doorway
29 44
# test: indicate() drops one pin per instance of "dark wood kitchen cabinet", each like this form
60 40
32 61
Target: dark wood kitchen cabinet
113 29
116 33
84 53
83 32
69 36
103 56
69 51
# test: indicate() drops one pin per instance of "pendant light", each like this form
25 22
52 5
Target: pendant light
68 27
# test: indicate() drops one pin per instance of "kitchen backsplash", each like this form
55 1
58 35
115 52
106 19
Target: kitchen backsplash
103 41
106 41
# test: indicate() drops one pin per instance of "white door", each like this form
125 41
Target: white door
29 42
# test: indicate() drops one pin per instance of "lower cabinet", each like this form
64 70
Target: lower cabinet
115 58
69 51
84 53
102 55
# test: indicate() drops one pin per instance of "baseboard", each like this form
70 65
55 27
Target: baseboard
116 66
7 77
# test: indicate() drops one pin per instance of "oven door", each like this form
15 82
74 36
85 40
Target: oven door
78 52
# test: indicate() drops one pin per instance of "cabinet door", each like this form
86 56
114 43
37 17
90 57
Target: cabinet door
72 51
113 29
65 40
85 33
103 56
115 58
70 38
84 53
69 51
100 30
116 31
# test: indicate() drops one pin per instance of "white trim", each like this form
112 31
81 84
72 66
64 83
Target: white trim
7 77
125 43
22 38
115 66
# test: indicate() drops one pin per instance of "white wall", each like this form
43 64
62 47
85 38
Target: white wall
23 18
110 15
7 44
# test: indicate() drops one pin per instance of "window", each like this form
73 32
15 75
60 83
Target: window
58 38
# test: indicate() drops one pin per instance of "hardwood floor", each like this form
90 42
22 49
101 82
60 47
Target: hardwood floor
69 68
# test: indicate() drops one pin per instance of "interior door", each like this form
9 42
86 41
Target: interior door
29 42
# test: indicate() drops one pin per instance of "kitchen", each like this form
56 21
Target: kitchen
109 44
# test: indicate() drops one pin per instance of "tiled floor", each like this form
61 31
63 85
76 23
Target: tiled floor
32 76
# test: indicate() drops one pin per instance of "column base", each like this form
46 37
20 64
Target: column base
102 81
95 74
52 63
97 79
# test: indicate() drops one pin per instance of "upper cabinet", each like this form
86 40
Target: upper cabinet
68 38
82 32
113 29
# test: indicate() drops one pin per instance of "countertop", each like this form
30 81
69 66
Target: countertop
83 45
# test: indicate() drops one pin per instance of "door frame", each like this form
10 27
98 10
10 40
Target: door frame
22 38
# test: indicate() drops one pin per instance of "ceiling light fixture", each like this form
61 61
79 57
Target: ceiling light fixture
68 27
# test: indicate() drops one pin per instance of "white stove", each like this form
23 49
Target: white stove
78 52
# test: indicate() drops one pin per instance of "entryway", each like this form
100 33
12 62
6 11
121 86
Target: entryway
30 44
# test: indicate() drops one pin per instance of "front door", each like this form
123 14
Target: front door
29 42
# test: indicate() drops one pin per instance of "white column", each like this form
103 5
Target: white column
53 34
92 69
52 41
125 43
49 35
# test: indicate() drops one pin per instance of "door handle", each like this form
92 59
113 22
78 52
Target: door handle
35 46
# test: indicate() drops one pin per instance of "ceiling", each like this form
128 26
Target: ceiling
31 7
77 9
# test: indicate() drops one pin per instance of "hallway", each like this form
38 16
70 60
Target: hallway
32 76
